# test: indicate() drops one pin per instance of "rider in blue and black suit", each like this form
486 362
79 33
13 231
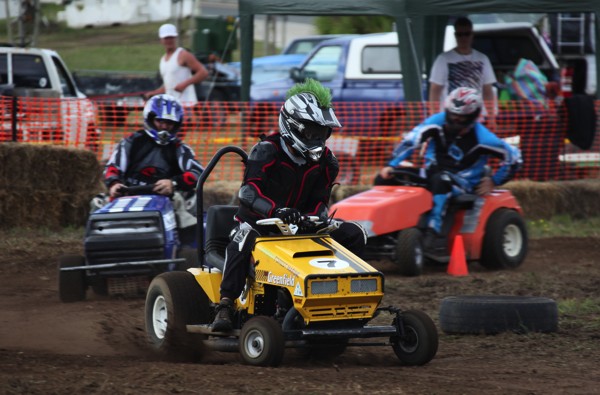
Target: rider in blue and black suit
456 156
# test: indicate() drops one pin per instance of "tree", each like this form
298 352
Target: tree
354 24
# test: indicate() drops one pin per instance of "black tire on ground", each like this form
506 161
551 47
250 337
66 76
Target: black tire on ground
505 241
419 344
71 284
100 287
191 258
409 252
262 342
475 314
174 300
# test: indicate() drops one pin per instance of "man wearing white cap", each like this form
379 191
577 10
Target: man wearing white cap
179 69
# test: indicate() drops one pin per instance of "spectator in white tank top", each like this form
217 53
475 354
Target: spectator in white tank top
179 69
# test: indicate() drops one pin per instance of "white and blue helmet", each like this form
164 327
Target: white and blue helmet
162 107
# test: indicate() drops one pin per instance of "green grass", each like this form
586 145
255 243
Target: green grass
580 313
119 48
563 225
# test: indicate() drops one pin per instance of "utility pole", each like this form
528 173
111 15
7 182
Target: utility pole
8 21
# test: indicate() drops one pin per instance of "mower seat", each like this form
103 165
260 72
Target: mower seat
464 202
219 223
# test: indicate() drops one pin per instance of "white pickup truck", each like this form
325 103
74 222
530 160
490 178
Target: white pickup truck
41 102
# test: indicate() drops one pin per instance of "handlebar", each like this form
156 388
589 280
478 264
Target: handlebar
291 229
409 176
137 190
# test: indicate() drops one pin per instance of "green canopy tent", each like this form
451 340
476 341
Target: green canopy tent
420 25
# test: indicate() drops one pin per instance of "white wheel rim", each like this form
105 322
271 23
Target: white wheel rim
159 317
413 337
419 256
254 344
513 241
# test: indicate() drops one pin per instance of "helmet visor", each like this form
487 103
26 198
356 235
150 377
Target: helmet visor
314 133
459 121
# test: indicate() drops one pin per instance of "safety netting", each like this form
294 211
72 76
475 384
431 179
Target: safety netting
543 131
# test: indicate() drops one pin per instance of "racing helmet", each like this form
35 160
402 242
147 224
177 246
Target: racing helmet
305 125
463 106
164 107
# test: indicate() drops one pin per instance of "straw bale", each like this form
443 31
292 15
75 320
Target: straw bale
46 186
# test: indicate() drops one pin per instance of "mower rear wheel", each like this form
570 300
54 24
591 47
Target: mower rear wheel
174 300
505 240
262 342
71 284
419 343
409 252
191 258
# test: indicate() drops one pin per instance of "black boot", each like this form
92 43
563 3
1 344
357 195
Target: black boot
223 318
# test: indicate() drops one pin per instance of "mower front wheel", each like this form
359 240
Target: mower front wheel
409 252
419 342
262 342
71 283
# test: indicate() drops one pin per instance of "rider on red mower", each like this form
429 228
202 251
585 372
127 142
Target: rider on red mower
456 156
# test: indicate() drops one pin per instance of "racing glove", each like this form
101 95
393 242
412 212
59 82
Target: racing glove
290 216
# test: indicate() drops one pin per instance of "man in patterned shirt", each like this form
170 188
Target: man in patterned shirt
462 66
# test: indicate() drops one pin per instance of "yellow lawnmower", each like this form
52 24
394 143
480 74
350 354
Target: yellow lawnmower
305 291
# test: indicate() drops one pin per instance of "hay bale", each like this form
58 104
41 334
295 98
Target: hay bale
46 186
220 192
49 186
538 199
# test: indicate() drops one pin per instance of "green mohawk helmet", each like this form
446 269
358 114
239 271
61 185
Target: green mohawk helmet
314 87
306 119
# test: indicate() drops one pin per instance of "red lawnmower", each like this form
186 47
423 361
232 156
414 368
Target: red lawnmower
492 226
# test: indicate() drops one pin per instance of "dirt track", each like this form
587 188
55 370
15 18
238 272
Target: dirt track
98 346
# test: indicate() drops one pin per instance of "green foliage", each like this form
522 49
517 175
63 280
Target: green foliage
119 48
564 225
353 24
322 94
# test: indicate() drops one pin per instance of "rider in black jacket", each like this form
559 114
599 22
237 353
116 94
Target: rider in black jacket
155 155
289 175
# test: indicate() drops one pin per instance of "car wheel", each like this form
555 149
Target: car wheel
262 342
505 240
419 342
409 252
71 283
477 314
174 300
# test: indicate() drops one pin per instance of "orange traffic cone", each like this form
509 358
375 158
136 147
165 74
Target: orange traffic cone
458 263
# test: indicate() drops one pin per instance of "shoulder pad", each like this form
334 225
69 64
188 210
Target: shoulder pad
263 150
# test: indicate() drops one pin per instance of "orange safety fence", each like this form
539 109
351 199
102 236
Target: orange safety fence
363 145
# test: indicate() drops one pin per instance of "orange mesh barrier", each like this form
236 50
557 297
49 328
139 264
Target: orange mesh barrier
363 145
68 122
